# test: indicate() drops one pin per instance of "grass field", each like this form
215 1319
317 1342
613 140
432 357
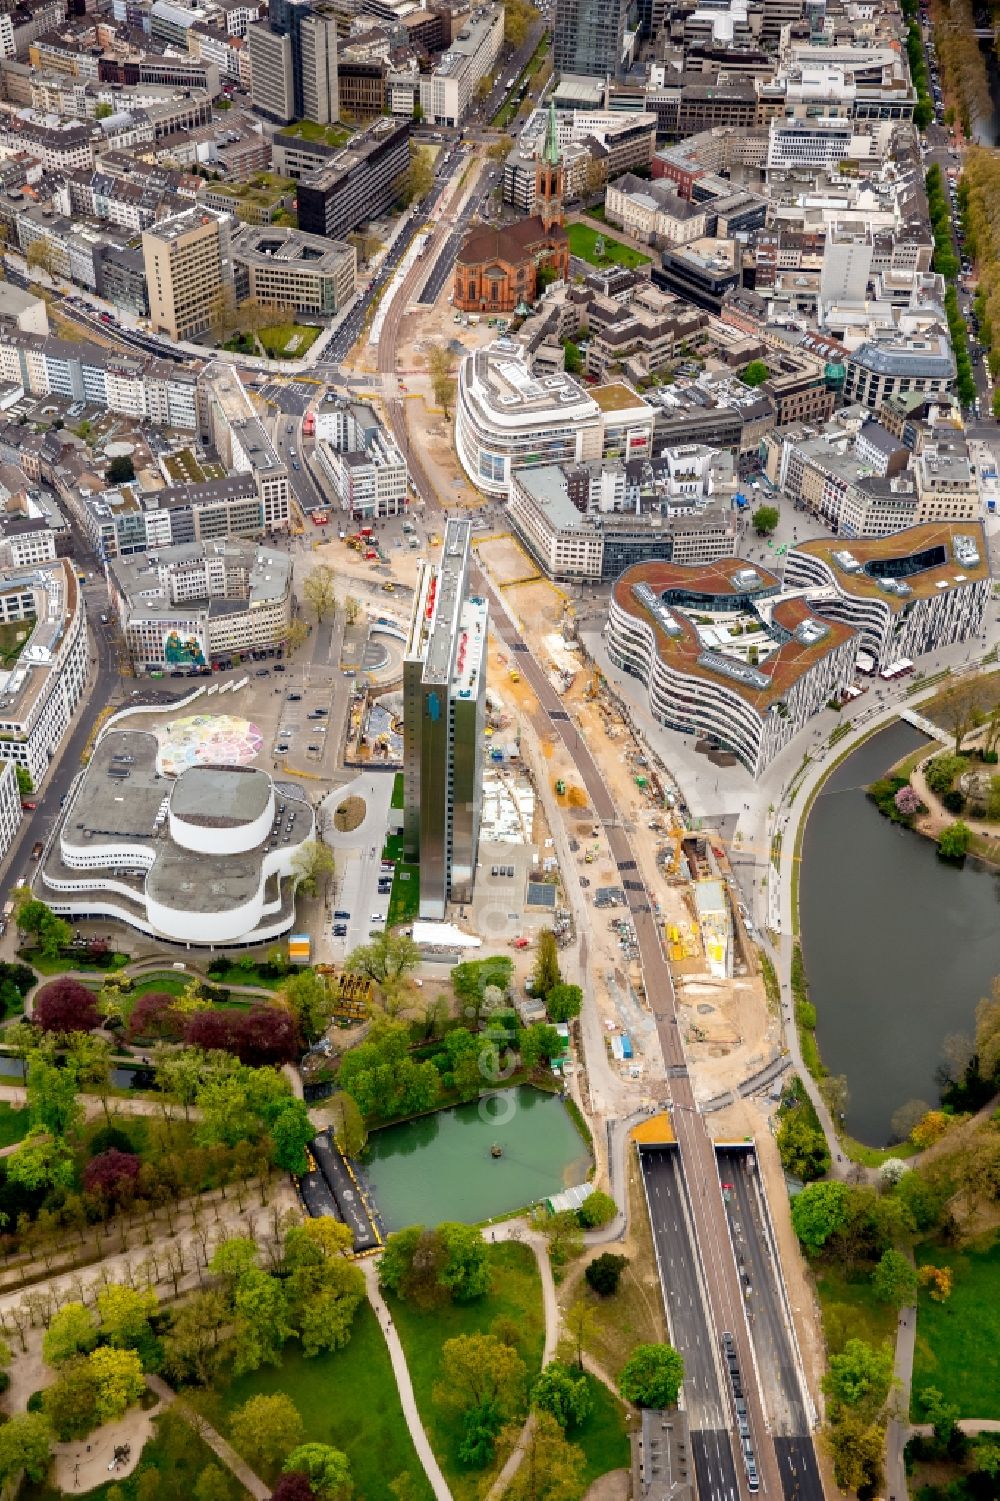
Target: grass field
957 1341
604 1436
13 639
164 982
288 341
583 241
988 686
850 1309
60 965
236 974
635 1312
13 1124
347 1399
516 1295
404 898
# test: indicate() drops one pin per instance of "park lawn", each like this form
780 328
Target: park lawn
517 1295
957 1341
61 965
850 1309
347 1398
398 791
175 1452
583 239
288 340
604 1436
164 982
237 974
13 1124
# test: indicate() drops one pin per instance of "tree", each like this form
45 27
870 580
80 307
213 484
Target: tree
50 932
477 1369
857 1448
597 1209
937 1280
604 1273
466 1270
308 998
518 18
125 1314
418 179
194 1344
118 1381
563 1393
894 1280
564 1002
388 956
43 255
428 1266
293 1486
538 1044
818 1212
25 1444
652 1376
802 1146
440 364
266 1429
328 1470
296 635
765 519
500 149
319 590
581 1326
291 1132
212 1485
953 841
71 1332
860 1377
959 708
755 374
905 1117
313 865
260 1321
349 1129
65 1005
114 1175
70 1403
352 609
53 1105
545 975
552 1469
41 1161
121 470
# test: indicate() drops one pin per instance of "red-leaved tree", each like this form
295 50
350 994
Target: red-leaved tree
65 1005
262 1035
294 1486
153 1017
112 1174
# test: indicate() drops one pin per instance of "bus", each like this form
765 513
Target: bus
320 518
309 425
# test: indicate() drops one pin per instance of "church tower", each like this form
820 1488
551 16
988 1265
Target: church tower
549 176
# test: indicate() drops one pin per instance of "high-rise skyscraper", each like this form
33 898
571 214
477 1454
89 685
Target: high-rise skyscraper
588 37
187 271
296 52
444 719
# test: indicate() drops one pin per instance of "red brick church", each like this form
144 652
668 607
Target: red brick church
497 269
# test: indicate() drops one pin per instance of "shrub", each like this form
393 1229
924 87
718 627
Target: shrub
597 1209
604 1273
953 842
942 771
110 1138
907 802
954 800
66 1005
263 1035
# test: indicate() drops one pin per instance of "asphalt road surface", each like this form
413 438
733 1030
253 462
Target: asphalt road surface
444 265
690 1329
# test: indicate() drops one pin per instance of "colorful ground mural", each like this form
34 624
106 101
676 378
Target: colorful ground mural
207 740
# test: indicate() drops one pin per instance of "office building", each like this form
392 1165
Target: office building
192 605
357 183
318 66
287 268
670 627
589 37
448 91
907 594
507 419
187 270
40 691
444 716
898 364
230 424
359 457
272 85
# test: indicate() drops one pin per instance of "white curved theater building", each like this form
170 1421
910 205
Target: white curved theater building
201 859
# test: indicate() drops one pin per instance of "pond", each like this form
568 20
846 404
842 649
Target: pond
898 946
440 1166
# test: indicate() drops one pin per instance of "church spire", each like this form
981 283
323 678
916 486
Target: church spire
549 175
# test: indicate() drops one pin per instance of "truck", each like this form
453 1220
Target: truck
36 849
